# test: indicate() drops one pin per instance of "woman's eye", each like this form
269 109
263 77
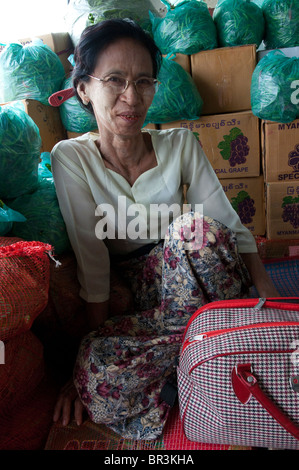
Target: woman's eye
145 82
116 80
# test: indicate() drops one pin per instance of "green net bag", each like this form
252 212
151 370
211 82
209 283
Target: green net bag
239 22
274 94
31 71
177 97
282 23
186 28
44 220
73 116
45 167
8 217
20 144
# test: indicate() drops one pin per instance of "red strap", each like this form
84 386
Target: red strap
244 381
60 96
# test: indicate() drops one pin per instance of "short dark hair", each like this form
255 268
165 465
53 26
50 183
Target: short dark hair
96 38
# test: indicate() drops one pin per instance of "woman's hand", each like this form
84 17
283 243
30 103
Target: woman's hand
68 401
259 275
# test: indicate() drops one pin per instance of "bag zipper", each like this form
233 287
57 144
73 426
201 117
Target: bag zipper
213 333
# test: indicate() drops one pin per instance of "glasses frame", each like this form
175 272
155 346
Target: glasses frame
156 83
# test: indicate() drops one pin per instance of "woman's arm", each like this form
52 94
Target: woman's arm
259 275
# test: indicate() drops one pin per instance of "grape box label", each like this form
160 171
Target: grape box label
246 195
230 141
282 210
280 149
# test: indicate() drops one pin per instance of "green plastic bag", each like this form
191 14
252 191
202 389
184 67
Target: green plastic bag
73 116
83 13
7 217
274 88
282 23
177 97
20 144
31 71
44 166
186 28
44 220
239 22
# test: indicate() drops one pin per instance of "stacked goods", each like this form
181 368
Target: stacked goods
238 22
23 189
187 28
177 96
26 393
282 23
82 13
273 88
32 71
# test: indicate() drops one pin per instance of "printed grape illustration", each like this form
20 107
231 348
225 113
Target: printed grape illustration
234 147
290 206
244 206
294 158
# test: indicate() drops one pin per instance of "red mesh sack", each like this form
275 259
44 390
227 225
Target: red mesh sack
27 395
24 284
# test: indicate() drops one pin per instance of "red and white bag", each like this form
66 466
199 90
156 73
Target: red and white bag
238 373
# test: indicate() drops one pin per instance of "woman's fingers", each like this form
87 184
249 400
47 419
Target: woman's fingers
68 398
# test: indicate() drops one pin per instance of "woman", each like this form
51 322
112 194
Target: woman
103 180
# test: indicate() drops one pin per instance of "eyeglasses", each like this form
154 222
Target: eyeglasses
118 85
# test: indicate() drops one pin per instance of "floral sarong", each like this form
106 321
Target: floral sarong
122 367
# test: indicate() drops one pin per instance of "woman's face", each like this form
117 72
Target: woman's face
119 114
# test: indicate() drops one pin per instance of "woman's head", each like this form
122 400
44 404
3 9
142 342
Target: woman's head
97 38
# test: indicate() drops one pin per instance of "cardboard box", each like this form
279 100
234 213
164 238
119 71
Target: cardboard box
280 151
216 134
48 121
184 61
275 249
247 196
223 78
60 43
282 210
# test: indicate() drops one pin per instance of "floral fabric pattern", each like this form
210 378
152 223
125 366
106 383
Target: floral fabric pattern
122 367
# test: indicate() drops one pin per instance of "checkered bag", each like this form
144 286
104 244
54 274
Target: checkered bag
238 373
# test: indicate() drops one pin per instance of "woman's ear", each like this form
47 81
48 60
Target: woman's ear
82 92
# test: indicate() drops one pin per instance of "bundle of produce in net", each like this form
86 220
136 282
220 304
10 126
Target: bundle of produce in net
282 23
20 144
74 117
239 22
177 97
24 284
83 13
44 220
30 71
45 167
186 28
274 96
7 217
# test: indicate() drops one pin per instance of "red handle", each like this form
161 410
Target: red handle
60 96
245 385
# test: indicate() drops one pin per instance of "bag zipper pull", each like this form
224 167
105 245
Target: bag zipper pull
260 303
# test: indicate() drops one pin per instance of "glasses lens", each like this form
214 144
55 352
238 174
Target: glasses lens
146 86
117 84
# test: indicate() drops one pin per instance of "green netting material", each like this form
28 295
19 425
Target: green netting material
73 116
239 22
187 28
20 144
177 97
31 71
282 23
274 88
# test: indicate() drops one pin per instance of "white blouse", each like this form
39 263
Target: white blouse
90 194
